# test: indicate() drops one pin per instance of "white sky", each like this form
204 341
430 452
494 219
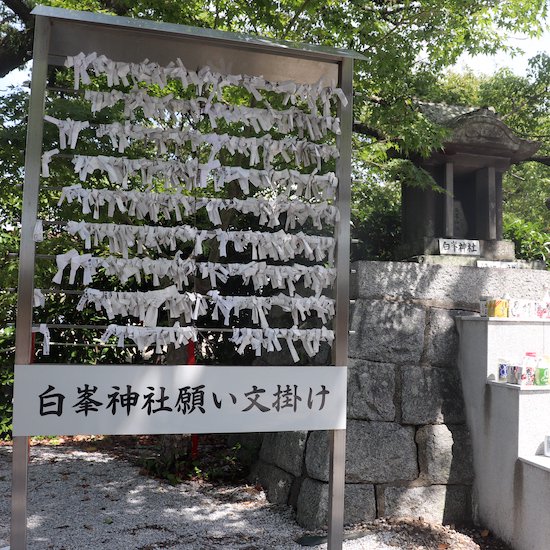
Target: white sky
488 64
15 78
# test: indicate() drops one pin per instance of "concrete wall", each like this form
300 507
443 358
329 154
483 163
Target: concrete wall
408 448
508 424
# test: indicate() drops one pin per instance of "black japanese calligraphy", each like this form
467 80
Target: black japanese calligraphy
189 401
322 393
88 399
126 400
51 403
255 392
86 404
287 397
150 400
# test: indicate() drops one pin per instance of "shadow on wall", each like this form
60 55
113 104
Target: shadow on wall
405 340
408 446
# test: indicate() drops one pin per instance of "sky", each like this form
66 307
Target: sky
487 64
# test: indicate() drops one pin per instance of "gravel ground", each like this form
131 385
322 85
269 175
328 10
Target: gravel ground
81 499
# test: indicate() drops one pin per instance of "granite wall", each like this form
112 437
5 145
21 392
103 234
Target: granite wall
408 448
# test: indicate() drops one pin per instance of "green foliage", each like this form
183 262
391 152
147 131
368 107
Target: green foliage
376 198
376 217
7 347
458 89
407 44
531 241
216 465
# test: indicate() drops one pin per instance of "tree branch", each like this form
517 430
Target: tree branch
542 160
13 55
299 12
16 44
21 9
360 128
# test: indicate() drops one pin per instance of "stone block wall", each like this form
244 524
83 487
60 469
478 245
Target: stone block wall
408 448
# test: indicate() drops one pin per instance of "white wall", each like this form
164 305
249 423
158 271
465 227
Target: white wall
506 422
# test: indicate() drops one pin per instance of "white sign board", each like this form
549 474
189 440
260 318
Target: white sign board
459 247
145 399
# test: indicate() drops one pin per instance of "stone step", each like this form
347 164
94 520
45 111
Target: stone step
508 424
537 461
532 404
532 493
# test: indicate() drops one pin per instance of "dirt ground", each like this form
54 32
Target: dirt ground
407 533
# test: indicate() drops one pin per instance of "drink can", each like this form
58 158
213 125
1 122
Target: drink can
530 375
542 374
503 370
541 309
517 375
497 307
483 300
512 373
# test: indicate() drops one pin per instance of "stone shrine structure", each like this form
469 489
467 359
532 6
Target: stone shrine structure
469 170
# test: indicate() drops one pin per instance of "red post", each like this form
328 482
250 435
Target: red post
31 361
194 437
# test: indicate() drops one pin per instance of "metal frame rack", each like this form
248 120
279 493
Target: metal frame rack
60 33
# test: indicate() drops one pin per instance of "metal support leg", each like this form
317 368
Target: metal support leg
20 458
340 348
23 337
336 489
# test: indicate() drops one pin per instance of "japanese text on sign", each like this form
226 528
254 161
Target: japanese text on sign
71 399
461 247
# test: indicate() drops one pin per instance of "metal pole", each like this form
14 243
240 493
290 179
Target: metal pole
337 443
23 338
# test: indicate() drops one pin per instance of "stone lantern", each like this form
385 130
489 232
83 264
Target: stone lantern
469 170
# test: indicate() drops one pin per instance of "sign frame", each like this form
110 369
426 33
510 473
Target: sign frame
60 33
168 399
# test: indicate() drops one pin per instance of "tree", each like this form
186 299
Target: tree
407 44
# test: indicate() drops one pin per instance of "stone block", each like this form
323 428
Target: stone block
276 482
312 509
285 450
371 390
461 285
387 332
437 503
376 452
267 450
443 338
445 454
380 452
317 455
359 503
431 396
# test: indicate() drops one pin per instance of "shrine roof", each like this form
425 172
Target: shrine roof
478 130
443 113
